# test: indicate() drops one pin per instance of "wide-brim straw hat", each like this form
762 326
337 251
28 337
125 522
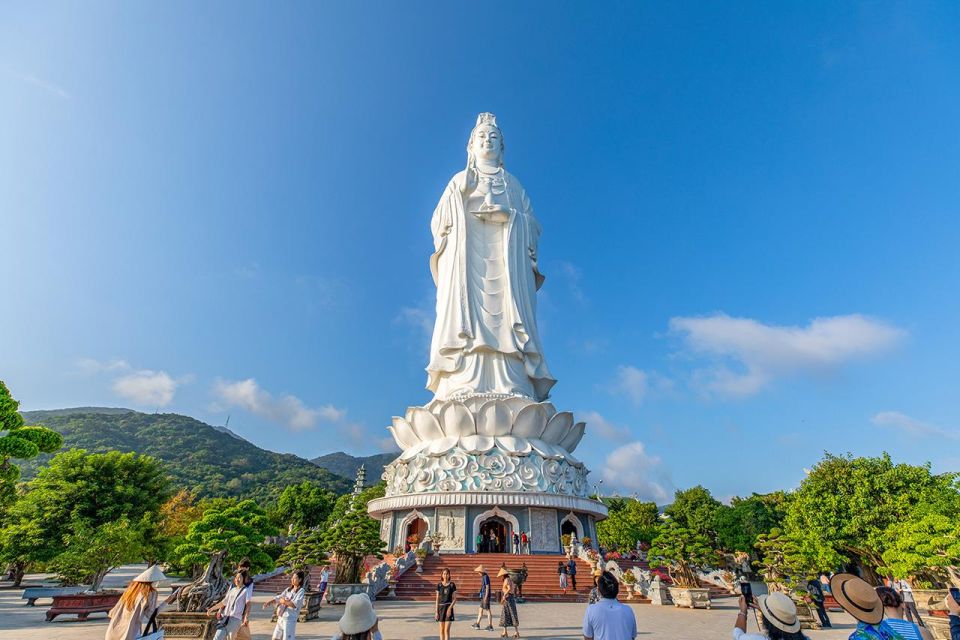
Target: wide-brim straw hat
502 572
358 614
780 610
857 597
479 569
152 574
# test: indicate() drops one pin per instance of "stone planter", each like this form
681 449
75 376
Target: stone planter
338 593
693 598
938 625
659 593
807 614
930 599
83 604
187 624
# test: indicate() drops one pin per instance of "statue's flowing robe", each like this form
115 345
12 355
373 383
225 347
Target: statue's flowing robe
503 359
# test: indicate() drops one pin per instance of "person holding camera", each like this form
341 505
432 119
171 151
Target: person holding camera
779 616
953 607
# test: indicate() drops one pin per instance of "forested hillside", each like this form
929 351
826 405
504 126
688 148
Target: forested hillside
196 455
346 465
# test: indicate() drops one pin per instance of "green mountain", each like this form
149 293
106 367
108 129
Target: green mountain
346 465
198 456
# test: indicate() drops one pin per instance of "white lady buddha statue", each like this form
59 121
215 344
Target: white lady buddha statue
485 340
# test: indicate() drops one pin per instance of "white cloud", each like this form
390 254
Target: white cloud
90 366
597 424
286 409
572 274
912 426
633 470
46 85
633 382
764 352
418 318
145 387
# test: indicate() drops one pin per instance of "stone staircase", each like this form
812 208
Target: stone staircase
278 583
542 584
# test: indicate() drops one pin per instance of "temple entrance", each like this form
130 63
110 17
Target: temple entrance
570 529
493 535
416 532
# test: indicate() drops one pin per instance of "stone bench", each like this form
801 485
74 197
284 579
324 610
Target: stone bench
32 594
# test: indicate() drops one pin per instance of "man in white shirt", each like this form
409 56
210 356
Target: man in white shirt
609 619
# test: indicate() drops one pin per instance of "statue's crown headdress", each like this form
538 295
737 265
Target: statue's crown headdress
486 118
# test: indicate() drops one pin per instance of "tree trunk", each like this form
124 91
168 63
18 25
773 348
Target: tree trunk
98 579
19 569
349 568
207 590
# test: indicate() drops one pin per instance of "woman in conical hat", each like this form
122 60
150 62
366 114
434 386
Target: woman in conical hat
136 606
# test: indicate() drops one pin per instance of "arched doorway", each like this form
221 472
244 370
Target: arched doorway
493 535
570 529
415 533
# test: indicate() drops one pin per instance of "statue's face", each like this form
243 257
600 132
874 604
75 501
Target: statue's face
487 143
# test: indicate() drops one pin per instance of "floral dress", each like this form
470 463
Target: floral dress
508 609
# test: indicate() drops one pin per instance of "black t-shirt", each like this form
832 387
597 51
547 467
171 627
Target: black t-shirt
446 592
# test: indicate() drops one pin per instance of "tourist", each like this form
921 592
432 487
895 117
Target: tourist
594 595
359 620
779 615
230 610
324 581
909 604
243 633
446 598
522 574
572 570
137 606
609 619
861 601
289 604
953 609
516 543
494 542
508 605
816 594
562 572
893 618
479 543
484 599
825 582
524 543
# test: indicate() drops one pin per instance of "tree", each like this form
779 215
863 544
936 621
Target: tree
353 535
18 442
739 526
92 552
683 548
783 565
19 545
846 506
306 550
87 490
303 506
695 509
239 530
628 522
927 548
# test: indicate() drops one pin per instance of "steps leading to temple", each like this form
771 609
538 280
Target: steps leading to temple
542 584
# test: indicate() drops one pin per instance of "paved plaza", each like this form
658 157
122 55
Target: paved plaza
412 620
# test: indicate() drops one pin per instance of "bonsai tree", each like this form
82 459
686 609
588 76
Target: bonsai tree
92 552
352 534
305 551
18 442
683 549
236 530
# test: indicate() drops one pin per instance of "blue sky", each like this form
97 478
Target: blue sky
750 219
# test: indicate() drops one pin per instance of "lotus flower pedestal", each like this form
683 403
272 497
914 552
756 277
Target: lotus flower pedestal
466 462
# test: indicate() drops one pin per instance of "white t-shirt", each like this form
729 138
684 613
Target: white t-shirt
743 635
235 602
609 619
296 597
324 576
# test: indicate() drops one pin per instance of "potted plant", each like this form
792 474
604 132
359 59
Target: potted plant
683 548
421 555
630 580
90 554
